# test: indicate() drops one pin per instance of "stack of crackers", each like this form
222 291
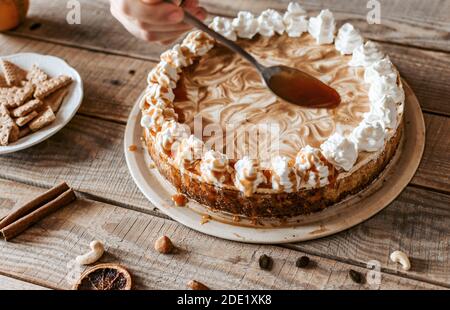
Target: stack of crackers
28 100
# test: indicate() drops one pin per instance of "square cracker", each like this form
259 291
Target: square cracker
9 132
45 117
13 73
56 99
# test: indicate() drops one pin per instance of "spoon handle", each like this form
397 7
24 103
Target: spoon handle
194 21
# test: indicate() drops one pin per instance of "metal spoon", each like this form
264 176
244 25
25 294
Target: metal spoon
289 84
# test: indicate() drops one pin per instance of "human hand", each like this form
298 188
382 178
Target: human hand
155 20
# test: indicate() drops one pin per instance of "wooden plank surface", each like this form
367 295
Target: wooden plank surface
416 223
44 253
418 23
92 162
89 154
412 22
7 283
113 83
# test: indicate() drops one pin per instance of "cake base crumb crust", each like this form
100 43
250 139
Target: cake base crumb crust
275 205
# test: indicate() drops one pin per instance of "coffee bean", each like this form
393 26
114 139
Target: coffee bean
302 262
356 276
265 262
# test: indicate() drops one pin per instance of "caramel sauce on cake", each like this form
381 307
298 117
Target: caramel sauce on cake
224 89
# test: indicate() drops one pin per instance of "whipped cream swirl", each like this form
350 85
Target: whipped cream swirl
178 56
348 39
284 177
168 138
385 86
340 151
383 67
215 168
164 74
198 42
383 111
155 118
312 167
323 27
245 25
248 175
189 151
223 26
368 136
157 91
270 22
295 20
365 55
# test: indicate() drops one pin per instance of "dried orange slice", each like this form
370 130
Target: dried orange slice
104 277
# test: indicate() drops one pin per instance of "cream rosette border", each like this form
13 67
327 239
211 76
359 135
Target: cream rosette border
312 167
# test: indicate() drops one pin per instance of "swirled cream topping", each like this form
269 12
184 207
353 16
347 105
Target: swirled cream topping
159 93
295 20
383 111
323 27
270 22
348 39
284 177
215 168
198 42
384 86
164 75
245 25
380 68
189 151
368 136
248 175
223 26
225 91
340 151
170 135
312 167
366 55
226 94
178 56
155 117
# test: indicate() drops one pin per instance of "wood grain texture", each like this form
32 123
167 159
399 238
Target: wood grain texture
411 22
424 24
113 83
7 283
44 253
89 156
434 170
416 223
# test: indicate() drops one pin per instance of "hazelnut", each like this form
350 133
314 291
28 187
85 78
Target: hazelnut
197 286
164 245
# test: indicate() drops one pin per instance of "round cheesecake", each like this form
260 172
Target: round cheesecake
222 138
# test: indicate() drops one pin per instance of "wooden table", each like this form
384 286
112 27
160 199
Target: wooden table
88 154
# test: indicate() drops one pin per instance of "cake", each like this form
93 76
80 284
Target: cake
221 138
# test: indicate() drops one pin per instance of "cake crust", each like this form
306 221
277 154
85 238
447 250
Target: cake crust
274 205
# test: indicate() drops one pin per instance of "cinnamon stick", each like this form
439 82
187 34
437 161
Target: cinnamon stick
34 204
14 229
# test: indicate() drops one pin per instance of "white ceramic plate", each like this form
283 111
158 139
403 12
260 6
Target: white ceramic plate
339 217
53 66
